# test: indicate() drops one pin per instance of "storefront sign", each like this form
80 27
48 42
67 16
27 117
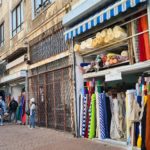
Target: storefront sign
113 75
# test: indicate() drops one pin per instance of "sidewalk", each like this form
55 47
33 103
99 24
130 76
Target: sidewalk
16 137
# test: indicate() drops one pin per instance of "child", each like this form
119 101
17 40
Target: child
32 113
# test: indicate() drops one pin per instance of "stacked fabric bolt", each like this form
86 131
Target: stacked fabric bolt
92 126
104 37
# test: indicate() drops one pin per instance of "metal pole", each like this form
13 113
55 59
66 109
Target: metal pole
26 85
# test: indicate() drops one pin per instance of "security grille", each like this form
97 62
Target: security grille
54 97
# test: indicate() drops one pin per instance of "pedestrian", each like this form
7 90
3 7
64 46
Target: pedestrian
12 109
32 113
2 110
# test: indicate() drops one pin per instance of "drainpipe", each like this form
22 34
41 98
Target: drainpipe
26 82
75 90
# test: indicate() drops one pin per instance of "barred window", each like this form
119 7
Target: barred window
1 34
40 4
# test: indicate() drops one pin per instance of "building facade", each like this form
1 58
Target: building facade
35 58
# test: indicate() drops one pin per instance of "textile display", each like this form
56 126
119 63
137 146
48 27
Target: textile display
103 116
144 45
144 26
92 117
148 124
135 41
130 97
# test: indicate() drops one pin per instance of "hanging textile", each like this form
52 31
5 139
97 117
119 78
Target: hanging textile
109 115
130 97
141 43
115 131
148 124
92 126
144 27
135 41
84 111
103 116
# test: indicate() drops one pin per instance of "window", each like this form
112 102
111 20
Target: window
1 34
17 18
39 4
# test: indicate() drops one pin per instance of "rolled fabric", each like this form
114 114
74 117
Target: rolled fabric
144 26
141 43
98 35
129 100
97 113
93 117
95 43
76 47
83 45
89 43
103 116
135 41
107 40
148 124
119 33
110 34
104 33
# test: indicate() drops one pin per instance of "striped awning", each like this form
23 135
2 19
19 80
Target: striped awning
104 15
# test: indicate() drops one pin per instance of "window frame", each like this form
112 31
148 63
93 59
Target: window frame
42 5
2 38
14 18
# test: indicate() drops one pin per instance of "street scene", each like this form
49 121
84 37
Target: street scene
74 74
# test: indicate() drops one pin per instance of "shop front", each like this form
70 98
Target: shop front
112 70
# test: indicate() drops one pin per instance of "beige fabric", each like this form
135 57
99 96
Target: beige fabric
119 33
89 43
83 45
76 47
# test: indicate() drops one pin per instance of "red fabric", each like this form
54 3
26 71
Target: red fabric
141 43
144 25
24 119
148 125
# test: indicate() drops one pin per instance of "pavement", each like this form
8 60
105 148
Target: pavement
19 137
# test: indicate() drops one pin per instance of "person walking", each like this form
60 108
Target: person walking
32 113
12 109
2 110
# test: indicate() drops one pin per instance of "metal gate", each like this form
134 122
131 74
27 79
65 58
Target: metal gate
53 92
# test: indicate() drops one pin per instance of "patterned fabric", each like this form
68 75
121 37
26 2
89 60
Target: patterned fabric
92 129
103 116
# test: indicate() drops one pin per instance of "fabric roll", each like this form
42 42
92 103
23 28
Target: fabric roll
84 116
141 43
148 124
93 117
135 41
103 116
97 114
129 100
143 122
144 26
109 115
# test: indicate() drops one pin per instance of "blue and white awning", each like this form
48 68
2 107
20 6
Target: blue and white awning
106 14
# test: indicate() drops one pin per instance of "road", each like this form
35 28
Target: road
16 137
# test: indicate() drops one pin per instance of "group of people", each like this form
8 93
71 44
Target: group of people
16 111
